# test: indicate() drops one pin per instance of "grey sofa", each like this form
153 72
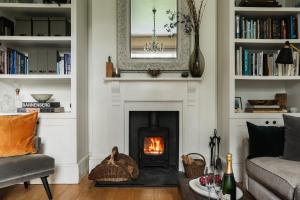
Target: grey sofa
269 178
22 169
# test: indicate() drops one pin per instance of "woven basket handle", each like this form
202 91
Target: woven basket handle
201 156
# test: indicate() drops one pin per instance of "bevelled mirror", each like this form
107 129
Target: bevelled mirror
149 37
143 40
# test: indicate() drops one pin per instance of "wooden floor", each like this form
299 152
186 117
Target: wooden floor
86 191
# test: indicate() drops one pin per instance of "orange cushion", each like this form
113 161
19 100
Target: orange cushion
16 134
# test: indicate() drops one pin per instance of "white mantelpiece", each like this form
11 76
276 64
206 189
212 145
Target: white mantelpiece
163 94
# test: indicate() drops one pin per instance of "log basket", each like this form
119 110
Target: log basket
196 169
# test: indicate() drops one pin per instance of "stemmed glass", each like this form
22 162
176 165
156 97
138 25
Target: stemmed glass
217 182
209 181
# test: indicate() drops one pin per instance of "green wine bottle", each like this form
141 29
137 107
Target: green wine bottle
228 182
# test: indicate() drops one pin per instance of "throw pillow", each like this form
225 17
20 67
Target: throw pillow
265 141
292 138
17 133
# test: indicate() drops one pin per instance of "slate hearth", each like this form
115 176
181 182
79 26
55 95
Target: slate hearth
149 177
158 165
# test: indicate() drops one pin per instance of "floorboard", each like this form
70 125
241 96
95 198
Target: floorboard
86 191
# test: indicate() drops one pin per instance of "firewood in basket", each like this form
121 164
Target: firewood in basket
184 159
190 160
113 156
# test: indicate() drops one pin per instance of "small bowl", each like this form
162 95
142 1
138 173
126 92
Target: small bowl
42 98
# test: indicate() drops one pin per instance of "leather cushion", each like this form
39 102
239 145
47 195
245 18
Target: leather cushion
21 166
280 176
17 133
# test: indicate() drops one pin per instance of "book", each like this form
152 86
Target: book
41 110
264 106
272 27
266 110
40 105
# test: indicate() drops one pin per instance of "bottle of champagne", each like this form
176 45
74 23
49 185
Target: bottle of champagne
228 182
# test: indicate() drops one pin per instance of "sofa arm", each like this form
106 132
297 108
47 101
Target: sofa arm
245 155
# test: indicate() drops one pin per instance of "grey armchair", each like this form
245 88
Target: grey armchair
22 169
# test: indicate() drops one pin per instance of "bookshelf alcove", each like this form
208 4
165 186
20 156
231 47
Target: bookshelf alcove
64 135
250 85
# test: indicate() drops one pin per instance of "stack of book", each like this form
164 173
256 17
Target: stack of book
251 62
266 107
284 27
12 61
49 107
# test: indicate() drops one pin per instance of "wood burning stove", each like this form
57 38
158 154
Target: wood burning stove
153 144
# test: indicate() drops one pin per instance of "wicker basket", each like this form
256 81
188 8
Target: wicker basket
196 169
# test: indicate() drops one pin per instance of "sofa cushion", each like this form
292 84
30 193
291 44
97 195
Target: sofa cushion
17 133
265 141
280 176
23 166
292 138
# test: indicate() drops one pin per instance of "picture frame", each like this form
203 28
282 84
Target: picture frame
238 105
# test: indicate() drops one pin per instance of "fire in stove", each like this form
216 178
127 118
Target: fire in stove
154 145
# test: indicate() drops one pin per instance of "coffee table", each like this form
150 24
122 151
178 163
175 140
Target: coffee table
188 194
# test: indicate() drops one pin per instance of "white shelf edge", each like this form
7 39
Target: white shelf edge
34 76
266 78
266 9
65 115
261 115
35 5
151 79
265 41
35 38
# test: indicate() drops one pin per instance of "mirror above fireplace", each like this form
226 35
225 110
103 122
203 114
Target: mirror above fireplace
149 37
143 42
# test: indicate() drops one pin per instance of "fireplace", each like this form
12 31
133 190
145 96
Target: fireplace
154 138
153 144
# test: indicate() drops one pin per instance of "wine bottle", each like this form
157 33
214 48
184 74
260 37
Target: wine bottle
228 182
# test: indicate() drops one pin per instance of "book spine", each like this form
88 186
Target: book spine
40 105
237 64
41 110
237 25
246 62
298 25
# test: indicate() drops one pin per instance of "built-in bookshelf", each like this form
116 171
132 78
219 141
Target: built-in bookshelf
64 135
252 58
262 80
33 60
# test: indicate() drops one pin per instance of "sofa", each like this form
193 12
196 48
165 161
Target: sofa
22 169
271 178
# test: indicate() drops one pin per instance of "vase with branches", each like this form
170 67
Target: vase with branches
192 22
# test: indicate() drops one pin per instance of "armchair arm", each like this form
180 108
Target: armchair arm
37 143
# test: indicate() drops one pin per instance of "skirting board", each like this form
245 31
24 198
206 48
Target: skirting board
68 173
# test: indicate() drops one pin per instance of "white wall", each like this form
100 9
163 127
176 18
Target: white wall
102 43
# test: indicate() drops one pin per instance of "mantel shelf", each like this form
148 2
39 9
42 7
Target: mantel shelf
129 79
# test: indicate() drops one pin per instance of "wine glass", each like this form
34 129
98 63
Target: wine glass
209 182
217 182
